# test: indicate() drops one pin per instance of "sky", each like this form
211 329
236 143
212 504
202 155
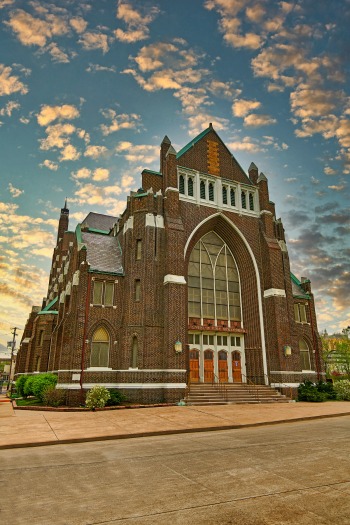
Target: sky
88 90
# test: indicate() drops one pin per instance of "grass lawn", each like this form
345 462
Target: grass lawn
31 401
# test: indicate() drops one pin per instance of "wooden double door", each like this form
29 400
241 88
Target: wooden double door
209 374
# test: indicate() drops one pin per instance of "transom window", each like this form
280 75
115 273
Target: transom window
213 283
100 348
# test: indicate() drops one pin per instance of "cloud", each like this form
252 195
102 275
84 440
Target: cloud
57 54
339 187
15 192
95 68
48 114
329 171
4 3
245 144
94 40
78 24
69 152
230 23
100 174
9 108
136 21
49 164
307 102
137 153
95 195
36 31
82 173
95 151
57 136
118 122
240 108
255 120
10 83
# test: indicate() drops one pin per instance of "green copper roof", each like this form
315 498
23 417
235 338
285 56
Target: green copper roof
47 310
153 172
193 142
94 230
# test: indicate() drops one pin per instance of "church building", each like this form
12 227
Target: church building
191 284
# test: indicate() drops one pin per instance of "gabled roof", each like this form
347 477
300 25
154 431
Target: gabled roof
193 142
205 132
104 253
297 290
98 221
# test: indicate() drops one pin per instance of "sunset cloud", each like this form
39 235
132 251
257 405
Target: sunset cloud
10 83
136 21
95 151
119 121
48 114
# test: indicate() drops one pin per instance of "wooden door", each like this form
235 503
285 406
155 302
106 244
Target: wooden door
208 366
194 366
236 367
223 368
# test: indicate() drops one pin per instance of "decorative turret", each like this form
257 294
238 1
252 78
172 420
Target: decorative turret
163 151
63 222
253 173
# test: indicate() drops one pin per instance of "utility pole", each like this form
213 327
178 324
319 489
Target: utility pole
14 333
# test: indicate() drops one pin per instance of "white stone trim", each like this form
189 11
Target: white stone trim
98 369
292 372
175 279
141 386
274 292
261 319
171 188
155 221
266 212
281 385
129 225
144 370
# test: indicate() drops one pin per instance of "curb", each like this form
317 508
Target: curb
168 432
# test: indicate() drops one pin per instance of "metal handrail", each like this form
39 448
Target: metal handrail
250 384
220 386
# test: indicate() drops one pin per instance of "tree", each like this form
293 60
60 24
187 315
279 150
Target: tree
336 356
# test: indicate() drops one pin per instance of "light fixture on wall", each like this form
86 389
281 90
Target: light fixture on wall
287 350
178 347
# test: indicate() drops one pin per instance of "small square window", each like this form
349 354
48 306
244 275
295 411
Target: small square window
205 339
190 339
196 339
211 340
219 339
238 341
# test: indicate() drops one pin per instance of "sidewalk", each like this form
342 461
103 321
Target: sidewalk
20 428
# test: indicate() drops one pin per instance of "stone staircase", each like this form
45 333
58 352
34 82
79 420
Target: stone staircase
230 393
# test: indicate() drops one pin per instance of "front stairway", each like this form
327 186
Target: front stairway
229 393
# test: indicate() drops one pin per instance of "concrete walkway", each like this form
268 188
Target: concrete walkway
20 428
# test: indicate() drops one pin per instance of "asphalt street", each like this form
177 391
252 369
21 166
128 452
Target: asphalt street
291 473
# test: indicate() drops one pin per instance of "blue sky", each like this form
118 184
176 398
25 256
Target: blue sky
89 89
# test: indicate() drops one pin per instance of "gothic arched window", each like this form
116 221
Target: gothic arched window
213 283
304 355
100 348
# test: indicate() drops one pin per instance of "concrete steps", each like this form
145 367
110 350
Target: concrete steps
230 393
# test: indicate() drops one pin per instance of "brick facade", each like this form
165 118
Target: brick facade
125 280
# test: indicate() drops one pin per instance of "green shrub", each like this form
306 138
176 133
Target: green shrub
308 391
97 397
342 389
53 397
116 398
20 383
328 389
28 386
42 381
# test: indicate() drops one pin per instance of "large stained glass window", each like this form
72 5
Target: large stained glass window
213 284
